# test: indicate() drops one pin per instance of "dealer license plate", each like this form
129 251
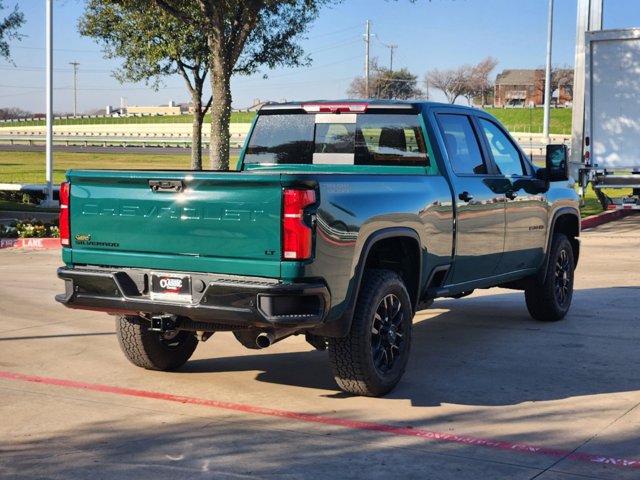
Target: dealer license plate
169 286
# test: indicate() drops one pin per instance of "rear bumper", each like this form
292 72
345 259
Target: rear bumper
224 301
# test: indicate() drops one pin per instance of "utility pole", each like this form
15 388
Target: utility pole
75 98
367 40
391 47
547 76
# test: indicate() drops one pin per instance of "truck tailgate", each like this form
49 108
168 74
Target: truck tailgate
223 222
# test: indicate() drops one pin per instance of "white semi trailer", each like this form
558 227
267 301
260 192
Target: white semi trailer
607 142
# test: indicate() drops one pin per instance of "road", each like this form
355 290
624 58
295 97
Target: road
488 394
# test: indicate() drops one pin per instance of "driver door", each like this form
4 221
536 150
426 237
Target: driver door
526 207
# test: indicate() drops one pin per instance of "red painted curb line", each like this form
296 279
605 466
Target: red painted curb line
30 243
604 217
339 422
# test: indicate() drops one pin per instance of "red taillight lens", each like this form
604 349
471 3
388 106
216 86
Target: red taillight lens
65 231
587 154
352 107
296 236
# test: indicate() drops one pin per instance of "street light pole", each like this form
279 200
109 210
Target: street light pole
547 76
49 94
75 97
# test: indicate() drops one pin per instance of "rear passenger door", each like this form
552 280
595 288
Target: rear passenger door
525 205
480 222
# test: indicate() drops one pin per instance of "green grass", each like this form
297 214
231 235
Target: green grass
515 119
29 167
236 117
531 120
591 204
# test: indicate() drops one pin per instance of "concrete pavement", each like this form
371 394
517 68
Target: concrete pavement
562 399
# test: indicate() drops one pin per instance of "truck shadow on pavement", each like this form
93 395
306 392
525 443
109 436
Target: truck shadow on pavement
486 350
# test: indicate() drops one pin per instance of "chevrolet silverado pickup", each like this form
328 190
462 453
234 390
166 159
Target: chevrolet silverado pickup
342 220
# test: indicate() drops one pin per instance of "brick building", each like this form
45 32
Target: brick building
524 88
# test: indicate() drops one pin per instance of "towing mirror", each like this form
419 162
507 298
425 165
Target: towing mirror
557 165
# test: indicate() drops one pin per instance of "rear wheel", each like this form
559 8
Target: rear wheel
153 350
549 299
372 358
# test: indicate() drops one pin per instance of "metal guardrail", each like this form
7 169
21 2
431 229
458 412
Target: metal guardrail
26 187
111 139
531 144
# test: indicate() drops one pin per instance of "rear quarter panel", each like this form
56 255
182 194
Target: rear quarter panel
355 207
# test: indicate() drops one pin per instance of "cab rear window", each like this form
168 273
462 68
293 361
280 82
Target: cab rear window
337 139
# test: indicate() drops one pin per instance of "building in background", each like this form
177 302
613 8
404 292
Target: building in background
525 88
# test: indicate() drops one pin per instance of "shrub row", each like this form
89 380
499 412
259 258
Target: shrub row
30 229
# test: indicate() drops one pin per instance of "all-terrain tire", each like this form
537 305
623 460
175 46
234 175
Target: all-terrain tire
153 350
371 359
548 299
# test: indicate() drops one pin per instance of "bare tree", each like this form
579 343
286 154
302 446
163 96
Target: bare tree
560 76
452 81
11 113
478 81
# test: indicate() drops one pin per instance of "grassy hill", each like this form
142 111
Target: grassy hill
515 119
530 120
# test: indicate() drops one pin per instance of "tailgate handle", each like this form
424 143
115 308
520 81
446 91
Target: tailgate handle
166 185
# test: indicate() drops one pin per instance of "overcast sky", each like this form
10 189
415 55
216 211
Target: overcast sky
435 34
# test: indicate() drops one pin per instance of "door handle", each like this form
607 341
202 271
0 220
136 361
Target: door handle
166 185
511 195
465 196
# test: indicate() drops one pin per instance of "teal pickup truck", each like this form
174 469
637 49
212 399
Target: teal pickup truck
343 220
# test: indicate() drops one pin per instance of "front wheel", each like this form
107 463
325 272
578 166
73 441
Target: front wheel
548 299
372 358
153 350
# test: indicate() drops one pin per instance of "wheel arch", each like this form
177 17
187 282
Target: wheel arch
567 221
398 249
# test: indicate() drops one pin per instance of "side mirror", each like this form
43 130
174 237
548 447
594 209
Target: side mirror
557 164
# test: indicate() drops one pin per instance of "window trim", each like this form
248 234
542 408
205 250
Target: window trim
525 164
491 170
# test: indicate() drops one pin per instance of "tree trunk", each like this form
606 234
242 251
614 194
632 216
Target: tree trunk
220 77
196 132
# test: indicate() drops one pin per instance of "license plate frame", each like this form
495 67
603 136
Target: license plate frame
170 287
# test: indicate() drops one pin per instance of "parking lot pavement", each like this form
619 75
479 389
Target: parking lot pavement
488 393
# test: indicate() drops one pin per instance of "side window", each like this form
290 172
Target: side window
504 152
390 139
462 144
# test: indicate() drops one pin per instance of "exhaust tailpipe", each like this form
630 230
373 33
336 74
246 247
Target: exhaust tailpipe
267 338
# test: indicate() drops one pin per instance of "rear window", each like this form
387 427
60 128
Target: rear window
337 139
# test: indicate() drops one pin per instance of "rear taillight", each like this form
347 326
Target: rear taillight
65 231
296 235
587 152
